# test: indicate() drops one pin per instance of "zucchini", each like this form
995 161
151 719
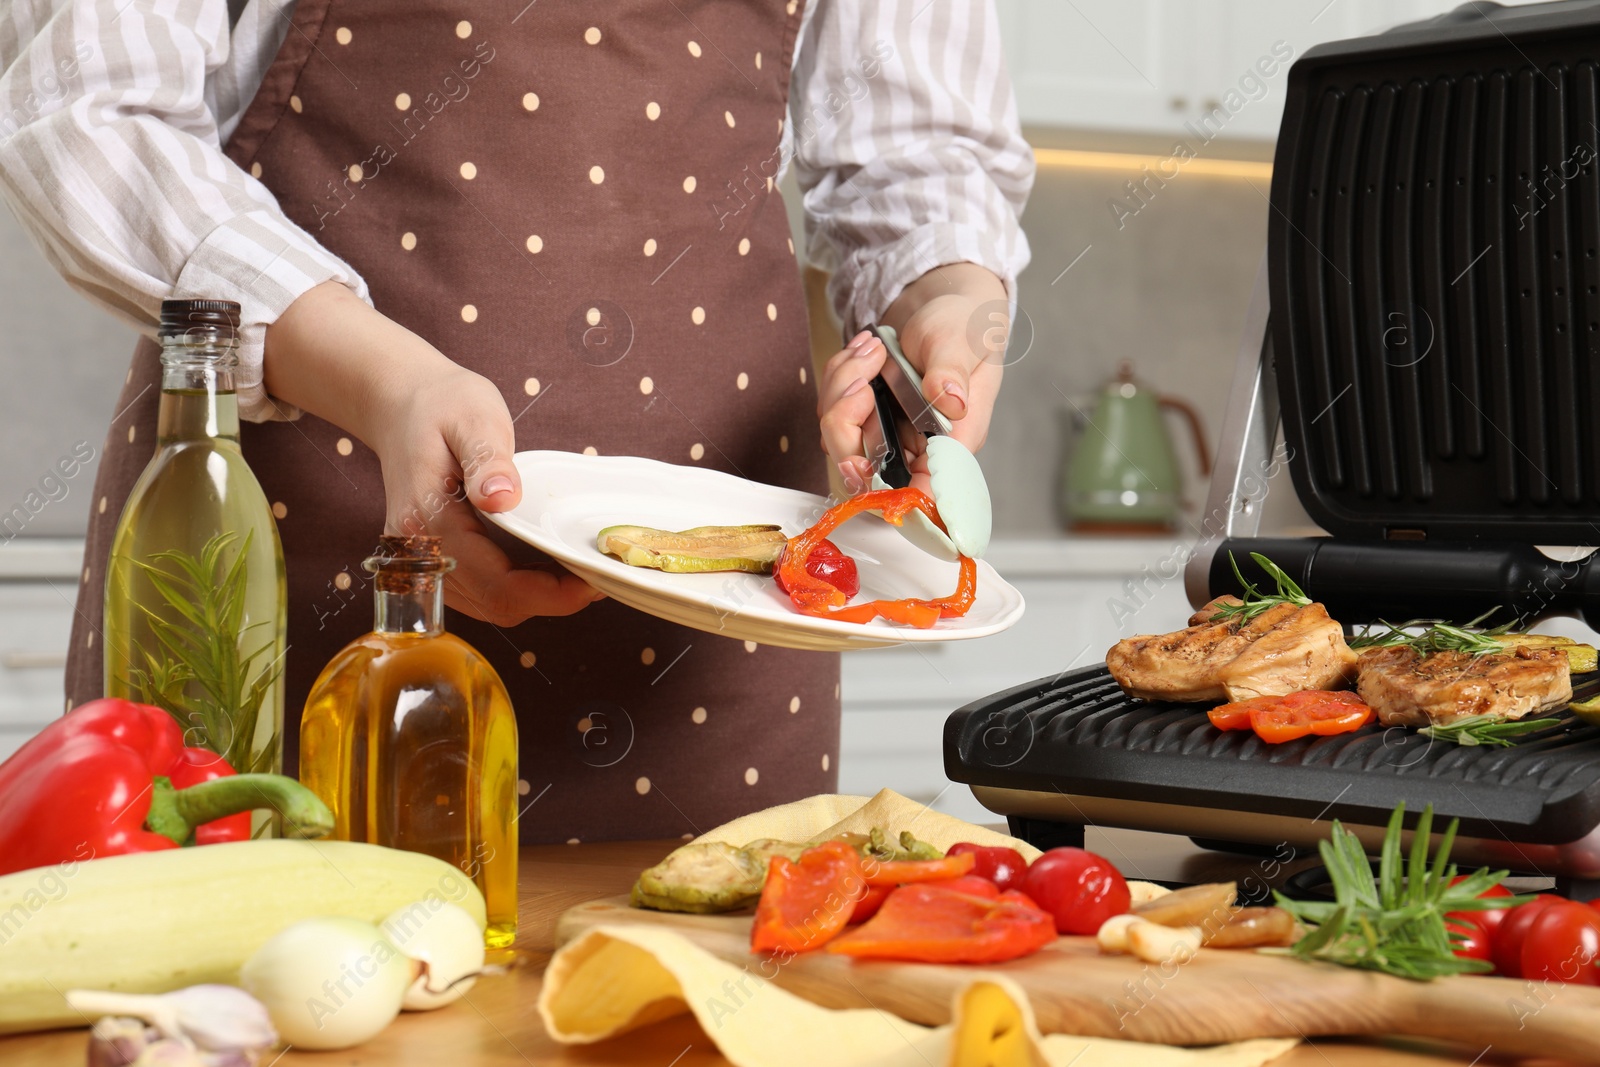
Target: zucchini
1581 659
754 549
156 921
1587 710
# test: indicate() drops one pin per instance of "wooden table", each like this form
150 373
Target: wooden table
496 1024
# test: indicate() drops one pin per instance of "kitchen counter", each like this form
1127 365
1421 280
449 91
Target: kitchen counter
496 1025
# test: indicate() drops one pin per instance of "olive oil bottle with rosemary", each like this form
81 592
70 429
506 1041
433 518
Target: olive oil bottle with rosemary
408 735
195 592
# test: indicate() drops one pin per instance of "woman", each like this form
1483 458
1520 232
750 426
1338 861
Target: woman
459 230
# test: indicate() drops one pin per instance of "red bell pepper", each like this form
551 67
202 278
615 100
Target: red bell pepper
114 777
814 596
805 903
196 765
939 923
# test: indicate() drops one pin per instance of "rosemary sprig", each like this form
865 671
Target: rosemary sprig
1436 635
1255 602
204 680
1396 923
1485 730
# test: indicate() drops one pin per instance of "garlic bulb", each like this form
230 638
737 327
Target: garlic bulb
329 983
209 1024
446 941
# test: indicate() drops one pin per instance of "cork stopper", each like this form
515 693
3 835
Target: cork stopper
411 564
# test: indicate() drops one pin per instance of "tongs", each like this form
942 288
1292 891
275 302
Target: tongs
907 426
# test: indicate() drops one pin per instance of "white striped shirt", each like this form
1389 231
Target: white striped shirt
113 114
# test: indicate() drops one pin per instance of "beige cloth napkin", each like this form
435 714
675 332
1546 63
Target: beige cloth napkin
831 814
618 978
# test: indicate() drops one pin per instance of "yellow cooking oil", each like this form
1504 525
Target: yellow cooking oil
195 590
409 736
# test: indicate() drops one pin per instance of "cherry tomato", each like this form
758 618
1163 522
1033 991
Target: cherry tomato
1471 941
1080 889
1001 865
1487 921
1562 944
830 564
1506 949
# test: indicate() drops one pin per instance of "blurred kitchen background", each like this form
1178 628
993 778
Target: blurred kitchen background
1157 279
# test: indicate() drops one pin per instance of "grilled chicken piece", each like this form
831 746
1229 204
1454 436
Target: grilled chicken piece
1283 650
1407 688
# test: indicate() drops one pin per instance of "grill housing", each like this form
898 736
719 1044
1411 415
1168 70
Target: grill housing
1434 253
1078 734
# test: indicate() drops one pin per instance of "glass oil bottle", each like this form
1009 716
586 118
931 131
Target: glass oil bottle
195 592
409 736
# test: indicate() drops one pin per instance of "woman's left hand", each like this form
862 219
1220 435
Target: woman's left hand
953 323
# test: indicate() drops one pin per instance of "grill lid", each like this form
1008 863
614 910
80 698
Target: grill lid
1434 253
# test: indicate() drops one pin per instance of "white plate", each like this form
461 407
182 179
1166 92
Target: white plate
568 498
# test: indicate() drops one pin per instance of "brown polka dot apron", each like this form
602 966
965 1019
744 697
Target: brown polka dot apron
576 201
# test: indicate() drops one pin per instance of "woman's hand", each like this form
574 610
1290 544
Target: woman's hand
952 324
442 433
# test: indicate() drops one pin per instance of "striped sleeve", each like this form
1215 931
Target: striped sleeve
906 147
111 158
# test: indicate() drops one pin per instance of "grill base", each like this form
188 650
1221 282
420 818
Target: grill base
1061 753
1049 820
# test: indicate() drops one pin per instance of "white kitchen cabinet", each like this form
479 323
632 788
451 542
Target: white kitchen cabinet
1116 64
38 592
1153 66
1083 595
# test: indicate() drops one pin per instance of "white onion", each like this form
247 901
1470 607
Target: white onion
446 941
329 983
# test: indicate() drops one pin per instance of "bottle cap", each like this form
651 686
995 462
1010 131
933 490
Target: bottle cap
204 320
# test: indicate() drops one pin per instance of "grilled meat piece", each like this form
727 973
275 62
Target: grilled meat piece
1407 688
1283 650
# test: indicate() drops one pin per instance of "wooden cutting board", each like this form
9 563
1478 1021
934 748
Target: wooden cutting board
1221 996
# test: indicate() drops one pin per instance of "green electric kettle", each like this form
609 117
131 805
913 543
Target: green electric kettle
1124 475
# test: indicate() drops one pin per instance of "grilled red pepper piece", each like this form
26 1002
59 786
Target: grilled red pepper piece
939 923
869 904
814 596
829 563
100 782
903 872
805 903
1296 715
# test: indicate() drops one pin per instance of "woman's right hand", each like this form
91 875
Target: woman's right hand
442 433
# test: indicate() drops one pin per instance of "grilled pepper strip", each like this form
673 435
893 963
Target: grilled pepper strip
806 902
1288 718
99 782
904 872
813 596
935 923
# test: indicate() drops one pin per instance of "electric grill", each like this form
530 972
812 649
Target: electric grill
1426 330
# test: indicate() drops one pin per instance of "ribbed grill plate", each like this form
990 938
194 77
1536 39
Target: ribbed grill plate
1078 734
1435 254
